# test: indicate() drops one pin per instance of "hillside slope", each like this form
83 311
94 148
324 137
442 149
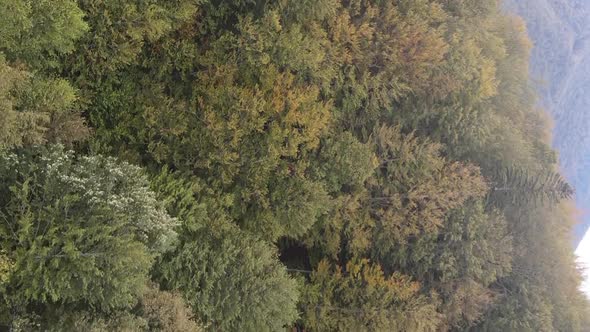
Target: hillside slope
560 30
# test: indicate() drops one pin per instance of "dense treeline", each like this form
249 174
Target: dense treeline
255 165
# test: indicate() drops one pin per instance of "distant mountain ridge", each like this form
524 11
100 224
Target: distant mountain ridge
560 31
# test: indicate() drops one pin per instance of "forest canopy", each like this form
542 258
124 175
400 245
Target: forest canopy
268 165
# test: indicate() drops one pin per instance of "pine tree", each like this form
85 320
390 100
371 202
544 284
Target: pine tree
519 186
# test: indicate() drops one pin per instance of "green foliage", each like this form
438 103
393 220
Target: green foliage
470 252
233 281
6 266
335 131
179 195
39 31
84 321
36 107
544 274
415 187
117 32
13 123
471 244
77 230
344 163
36 110
362 298
155 311
242 145
167 312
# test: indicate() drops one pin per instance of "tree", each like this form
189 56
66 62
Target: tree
361 297
35 110
6 266
39 32
414 189
343 163
117 32
35 106
519 186
543 290
88 321
77 231
384 52
155 310
232 280
470 251
166 312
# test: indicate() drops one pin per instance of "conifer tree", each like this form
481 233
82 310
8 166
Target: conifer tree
518 186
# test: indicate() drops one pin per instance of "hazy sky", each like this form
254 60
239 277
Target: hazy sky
583 253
